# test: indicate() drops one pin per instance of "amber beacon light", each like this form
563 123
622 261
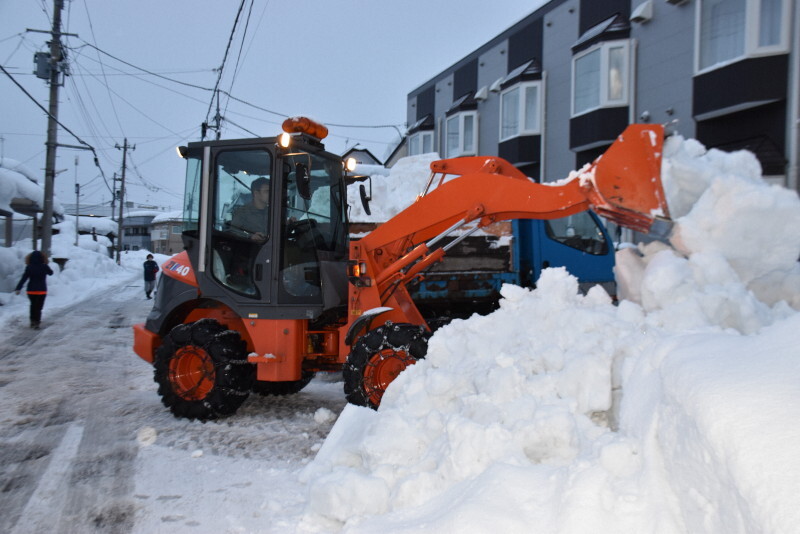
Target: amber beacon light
305 125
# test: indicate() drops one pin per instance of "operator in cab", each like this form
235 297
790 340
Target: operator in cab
252 218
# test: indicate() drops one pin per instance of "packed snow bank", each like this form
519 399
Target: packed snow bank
671 412
89 272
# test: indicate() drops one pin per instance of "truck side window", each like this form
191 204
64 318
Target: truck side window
579 231
240 217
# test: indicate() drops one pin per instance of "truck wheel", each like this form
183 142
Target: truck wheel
202 370
378 357
283 388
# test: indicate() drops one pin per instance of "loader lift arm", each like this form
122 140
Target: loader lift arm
623 185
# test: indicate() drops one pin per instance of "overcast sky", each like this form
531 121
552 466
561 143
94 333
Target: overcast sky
347 62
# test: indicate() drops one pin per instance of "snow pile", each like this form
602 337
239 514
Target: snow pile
394 192
671 412
88 272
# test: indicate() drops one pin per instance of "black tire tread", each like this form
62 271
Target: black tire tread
234 376
413 339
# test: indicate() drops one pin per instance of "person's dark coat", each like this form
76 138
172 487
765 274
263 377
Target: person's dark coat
35 274
150 270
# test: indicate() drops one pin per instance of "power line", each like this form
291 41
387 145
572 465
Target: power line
73 134
224 59
226 93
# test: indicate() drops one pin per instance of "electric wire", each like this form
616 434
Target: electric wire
233 97
102 69
73 134
224 59
239 55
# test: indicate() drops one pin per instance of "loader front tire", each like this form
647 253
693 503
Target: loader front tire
202 371
378 357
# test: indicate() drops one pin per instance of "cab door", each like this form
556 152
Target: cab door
240 238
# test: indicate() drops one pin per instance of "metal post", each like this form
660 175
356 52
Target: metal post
77 201
52 129
9 230
124 148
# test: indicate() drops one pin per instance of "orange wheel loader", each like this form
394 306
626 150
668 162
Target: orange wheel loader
269 290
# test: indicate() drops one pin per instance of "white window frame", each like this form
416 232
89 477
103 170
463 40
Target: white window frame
605 101
417 141
752 24
522 127
462 148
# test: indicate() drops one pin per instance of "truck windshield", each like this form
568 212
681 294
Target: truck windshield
578 231
314 227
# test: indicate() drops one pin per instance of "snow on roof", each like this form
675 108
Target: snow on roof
19 187
176 215
101 225
143 213
21 168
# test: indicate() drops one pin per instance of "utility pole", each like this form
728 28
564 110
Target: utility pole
52 128
77 201
124 149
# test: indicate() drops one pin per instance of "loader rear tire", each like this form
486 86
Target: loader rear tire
378 357
283 388
202 371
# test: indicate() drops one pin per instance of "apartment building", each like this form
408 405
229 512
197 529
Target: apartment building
552 92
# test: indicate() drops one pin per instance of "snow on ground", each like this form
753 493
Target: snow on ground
673 411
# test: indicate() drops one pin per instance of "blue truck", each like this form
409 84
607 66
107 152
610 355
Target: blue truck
471 275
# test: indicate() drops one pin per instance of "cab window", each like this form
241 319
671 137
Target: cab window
314 229
240 217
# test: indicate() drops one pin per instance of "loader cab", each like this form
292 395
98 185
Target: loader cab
265 226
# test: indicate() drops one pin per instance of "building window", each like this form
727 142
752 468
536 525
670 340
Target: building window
520 110
462 134
420 143
730 30
600 77
176 229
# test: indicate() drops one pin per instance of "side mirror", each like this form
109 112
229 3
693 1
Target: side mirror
365 198
303 180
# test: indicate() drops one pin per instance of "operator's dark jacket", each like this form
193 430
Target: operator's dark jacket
150 270
36 274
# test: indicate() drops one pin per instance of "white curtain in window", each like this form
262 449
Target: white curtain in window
452 137
532 108
469 134
413 145
587 81
769 31
509 126
722 31
427 143
616 73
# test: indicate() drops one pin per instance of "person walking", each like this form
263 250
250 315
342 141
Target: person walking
150 270
36 273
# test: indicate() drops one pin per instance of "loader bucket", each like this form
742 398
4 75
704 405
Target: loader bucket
624 184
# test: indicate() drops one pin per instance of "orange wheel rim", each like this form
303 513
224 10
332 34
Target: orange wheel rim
191 373
382 369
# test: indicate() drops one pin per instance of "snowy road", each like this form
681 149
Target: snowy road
86 446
